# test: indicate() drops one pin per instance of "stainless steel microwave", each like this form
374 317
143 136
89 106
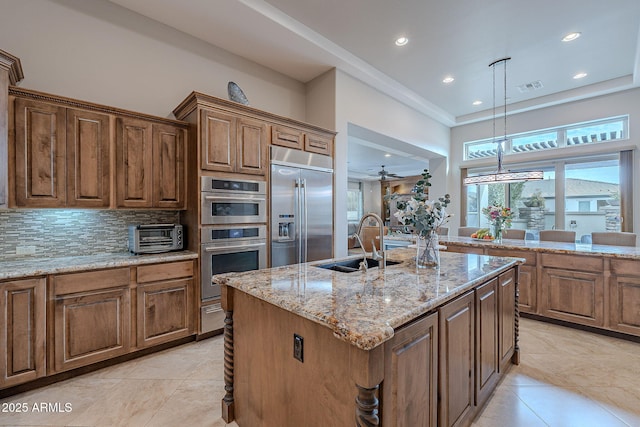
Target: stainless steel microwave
229 201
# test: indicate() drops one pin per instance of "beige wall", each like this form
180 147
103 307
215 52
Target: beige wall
617 104
97 51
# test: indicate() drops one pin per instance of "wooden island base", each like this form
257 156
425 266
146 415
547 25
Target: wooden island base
458 351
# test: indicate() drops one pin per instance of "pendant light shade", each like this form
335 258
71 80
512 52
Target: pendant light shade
501 175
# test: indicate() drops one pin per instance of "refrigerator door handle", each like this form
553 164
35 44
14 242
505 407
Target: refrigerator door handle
305 235
298 226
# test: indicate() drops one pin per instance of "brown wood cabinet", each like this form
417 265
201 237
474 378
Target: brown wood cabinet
150 165
10 74
232 143
22 330
527 280
457 361
411 369
624 299
91 318
486 323
321 144
62 155
165 302
506 316
573 288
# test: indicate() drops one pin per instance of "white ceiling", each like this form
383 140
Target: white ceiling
303 39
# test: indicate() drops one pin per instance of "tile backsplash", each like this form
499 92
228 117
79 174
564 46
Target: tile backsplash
71 232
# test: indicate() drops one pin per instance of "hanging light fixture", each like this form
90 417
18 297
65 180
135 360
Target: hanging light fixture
501 175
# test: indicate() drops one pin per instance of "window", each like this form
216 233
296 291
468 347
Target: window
354 201
597 131
587 197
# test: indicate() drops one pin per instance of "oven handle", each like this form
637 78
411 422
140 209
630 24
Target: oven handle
224 248
242 199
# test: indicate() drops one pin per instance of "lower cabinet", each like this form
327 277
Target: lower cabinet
624 296
165 300
411 364
477 341
573 289
23 324
91 318
98 315
456 361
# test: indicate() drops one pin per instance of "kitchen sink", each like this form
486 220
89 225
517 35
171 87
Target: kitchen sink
349 266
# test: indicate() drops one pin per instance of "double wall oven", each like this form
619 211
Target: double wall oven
233 236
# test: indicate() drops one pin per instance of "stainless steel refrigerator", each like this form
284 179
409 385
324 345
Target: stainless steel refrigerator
301 206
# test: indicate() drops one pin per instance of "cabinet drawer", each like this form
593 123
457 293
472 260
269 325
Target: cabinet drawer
81 282
314 143
464 249
287 137
625 267
570 262
156 272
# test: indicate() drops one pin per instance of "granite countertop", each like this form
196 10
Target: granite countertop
14 268
629 252
364 308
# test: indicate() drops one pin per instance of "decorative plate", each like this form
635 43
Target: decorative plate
236 94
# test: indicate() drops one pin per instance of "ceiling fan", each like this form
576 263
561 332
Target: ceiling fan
385 174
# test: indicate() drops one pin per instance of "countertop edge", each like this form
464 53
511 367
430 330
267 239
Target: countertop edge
36 266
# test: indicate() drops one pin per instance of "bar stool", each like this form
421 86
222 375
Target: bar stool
557 236
613 238
467 231
514 233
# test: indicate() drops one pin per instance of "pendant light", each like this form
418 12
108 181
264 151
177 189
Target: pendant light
501 175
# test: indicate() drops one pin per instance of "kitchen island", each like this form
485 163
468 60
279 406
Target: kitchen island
310 346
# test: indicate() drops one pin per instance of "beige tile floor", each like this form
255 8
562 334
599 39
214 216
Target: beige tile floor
566 378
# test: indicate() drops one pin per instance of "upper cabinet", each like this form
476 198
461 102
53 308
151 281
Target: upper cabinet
10 74
63 148
235 138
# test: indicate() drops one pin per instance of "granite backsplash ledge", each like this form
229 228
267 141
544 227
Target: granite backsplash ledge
71 232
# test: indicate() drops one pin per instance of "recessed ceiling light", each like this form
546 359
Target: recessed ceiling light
448 79
401 41
387 155
478 102
580 76
571 37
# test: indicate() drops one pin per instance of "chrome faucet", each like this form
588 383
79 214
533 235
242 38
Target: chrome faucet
363 264
378 256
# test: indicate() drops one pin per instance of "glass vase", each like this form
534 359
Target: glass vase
497 229
428 254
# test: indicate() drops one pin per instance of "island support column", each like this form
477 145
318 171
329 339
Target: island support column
367 371
228 403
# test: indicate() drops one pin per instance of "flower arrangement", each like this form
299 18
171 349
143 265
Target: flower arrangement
500 218
423 215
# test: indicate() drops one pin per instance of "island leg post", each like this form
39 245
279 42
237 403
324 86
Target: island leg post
367 372
515 359
228 404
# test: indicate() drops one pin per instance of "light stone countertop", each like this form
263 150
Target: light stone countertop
364 308
628 252
13 268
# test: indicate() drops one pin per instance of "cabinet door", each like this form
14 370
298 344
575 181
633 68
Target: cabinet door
506 316
23 331
168 167
251 155
164 311
218 139
88 166
40 152
134 177
456 361
411 375
574 296
527 285
90 327
625 303
486 367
